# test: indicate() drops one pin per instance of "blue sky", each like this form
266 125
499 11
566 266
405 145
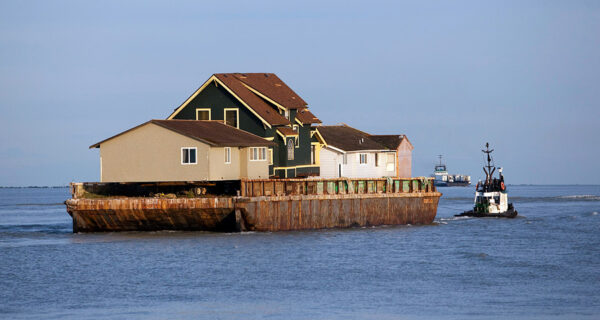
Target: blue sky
523 75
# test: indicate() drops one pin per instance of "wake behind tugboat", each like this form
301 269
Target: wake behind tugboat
491 197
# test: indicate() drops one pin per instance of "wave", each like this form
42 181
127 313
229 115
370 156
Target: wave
35 228
443 220
569 198
53 204
582 196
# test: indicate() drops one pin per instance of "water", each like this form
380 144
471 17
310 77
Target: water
545 264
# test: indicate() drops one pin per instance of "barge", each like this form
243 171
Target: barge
252 204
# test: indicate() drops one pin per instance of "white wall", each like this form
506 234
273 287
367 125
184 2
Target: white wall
330 160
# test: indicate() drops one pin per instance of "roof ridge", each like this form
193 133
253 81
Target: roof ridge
346 138
342 124
277 98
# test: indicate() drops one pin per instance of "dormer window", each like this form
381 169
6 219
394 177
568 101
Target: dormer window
232 117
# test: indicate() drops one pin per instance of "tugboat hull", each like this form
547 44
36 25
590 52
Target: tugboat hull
510 213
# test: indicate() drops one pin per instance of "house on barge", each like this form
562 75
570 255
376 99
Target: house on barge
209 167
349 152
261 104
183 150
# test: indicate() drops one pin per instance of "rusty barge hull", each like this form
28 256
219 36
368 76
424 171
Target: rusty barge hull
231 214
260 205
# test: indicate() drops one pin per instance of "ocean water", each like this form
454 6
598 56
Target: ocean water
545 264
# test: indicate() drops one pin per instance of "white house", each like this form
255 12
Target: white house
351 153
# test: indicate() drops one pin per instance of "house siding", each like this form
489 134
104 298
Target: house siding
151 153
331 159
219 170
404 162
252 169
217 99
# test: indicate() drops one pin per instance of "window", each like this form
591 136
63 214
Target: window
345 158
287 114
270 156
227 155
391 161
363 158
295 127
290 149
202 114
377 159
258 154
188 155
232 117
313 156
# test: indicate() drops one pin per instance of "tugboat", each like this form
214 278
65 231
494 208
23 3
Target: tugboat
491 197
443 179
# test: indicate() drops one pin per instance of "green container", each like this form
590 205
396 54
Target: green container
342 187
405 186
330 187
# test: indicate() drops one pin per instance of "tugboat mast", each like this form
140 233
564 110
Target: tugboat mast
490 168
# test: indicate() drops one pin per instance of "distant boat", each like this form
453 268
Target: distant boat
443 179
491 197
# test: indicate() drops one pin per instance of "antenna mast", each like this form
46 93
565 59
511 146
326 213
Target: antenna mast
490 169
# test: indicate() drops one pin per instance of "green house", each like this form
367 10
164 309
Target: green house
261 104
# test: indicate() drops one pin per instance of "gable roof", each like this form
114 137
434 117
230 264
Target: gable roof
347 138
287 132
268 113
389 141
305 116
213 133
271 86
256 91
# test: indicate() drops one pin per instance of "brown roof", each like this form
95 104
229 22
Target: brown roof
390 141
348 139
305 116
214 133
271 86
267 85
287 131
264 110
